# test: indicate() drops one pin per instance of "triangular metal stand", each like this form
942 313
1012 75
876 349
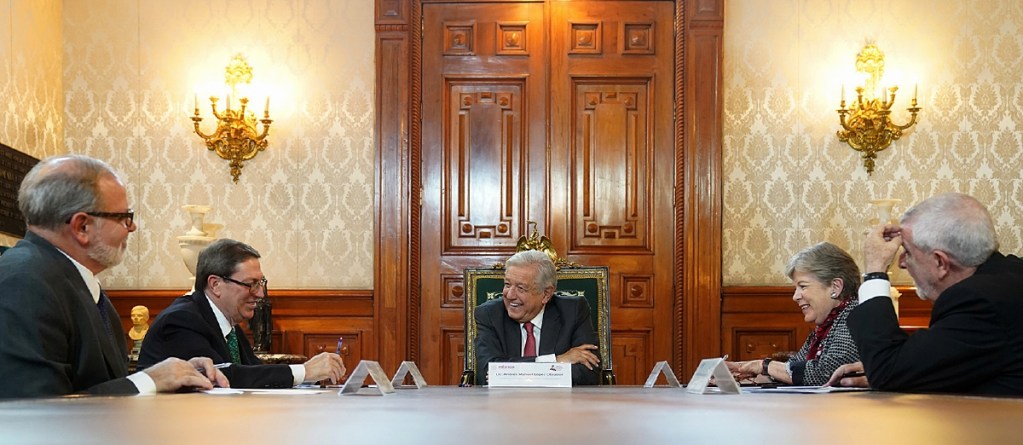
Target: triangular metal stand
716 368
662 367
358 377
408 368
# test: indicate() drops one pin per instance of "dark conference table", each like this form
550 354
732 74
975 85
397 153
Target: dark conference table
446 415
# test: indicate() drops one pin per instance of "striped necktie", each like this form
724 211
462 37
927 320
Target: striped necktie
232 345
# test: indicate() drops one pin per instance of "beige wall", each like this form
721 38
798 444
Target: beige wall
790 183
130 71
30 79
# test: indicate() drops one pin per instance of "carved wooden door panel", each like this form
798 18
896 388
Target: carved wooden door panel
484 156
612 164
558 113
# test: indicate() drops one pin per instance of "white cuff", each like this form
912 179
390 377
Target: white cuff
144 383
549 358
875 288
297 374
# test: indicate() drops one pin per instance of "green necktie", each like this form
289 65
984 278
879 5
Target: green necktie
232 345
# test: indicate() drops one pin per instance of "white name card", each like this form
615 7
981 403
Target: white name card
530 374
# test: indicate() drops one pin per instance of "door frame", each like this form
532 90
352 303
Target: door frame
698 181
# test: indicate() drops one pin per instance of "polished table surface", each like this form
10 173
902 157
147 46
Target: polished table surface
486 416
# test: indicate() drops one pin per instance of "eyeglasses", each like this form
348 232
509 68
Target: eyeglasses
127 219
254 286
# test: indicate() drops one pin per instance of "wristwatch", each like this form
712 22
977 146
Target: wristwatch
766 365
875 276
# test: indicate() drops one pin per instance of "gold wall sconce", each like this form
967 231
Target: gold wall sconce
236 138
866 125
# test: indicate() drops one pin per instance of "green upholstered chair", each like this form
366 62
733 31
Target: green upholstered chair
590 282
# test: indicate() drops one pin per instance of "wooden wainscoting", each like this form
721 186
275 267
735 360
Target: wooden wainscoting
757 321
305 322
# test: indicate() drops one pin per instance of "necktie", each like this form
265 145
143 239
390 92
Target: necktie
232 345
102 306
530 349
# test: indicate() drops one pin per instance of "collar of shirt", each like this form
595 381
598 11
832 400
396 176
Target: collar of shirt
90 278
225 326
538 319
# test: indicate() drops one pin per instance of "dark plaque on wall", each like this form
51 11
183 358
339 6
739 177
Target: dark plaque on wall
13 167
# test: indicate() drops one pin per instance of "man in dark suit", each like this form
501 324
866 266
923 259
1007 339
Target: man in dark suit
974 344
59 334
228 282
529 315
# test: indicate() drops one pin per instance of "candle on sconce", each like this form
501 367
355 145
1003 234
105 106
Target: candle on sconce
195 97
228 104
843 93
915 86
266 108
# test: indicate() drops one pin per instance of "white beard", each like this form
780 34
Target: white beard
108 256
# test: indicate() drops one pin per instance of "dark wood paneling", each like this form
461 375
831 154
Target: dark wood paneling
698 181
396 278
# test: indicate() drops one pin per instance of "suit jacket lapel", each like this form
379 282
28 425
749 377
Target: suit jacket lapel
551 329
512 335
115 357
220 343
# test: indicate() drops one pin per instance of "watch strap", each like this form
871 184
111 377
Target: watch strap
875 276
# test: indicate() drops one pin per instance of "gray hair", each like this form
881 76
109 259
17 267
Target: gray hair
826 261
57 188
953 223
546 275
221 258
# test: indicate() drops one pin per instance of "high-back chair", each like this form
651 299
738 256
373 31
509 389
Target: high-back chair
589 282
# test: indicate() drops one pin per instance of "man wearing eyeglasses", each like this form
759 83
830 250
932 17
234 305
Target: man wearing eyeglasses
228 283
59 334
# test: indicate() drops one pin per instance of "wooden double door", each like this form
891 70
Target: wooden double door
559 113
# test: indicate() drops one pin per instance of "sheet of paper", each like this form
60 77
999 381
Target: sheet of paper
803 389
286 391
265 391
223 391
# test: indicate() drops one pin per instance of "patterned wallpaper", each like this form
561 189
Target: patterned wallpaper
130 73
129 69
30 79
789 182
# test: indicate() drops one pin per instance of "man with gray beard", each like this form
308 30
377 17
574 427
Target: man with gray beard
59 333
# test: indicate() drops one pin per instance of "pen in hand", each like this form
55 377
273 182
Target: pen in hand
202 370
340 341
216 366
